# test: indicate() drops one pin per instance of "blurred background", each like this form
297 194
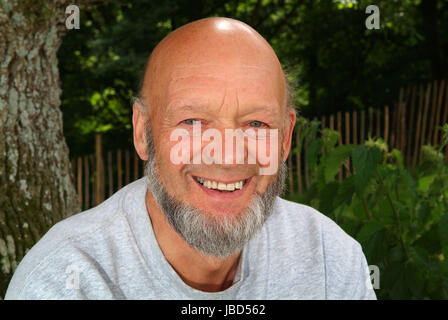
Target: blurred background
370 147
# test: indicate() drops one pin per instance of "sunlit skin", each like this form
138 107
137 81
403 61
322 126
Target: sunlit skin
222 73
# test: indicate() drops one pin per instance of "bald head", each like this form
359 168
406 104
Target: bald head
207 47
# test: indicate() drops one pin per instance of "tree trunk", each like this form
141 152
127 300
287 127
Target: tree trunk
36 187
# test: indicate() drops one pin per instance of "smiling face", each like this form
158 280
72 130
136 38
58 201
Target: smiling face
220 74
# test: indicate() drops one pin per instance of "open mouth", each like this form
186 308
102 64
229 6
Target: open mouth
221 186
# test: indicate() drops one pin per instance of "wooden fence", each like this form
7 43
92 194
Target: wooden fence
407 126
99 176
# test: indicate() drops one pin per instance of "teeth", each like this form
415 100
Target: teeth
219 185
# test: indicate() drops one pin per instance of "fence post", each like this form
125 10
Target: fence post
99 195
419 120
119 170
411 128
340 138
378 123
445 112
386 125
363 125
86 184
110 174
425 116
79 180
347 141
393 130
398 119
445 117
403 124
370 122
439 106
433 111
72 170
323 125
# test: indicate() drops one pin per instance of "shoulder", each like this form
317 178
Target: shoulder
69 247
311 234
308 223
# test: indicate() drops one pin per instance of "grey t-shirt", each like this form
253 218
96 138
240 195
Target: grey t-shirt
110 252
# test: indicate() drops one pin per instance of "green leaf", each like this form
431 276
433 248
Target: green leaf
314 127
430 240
414 280
335 160
330 138
384 212
410 183
312 153
419 256
443 233
365 161
326 197
425 182
345 192
423 213
368 230
396 254
397 155
372 238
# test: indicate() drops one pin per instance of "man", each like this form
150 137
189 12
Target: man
206 222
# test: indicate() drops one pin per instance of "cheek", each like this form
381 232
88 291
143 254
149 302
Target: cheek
262 183
170 172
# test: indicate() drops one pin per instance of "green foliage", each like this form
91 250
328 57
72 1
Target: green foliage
399 215
335 160
334 62
365 161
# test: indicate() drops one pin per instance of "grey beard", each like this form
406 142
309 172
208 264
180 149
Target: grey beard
212 236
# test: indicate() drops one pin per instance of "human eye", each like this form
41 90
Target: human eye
191 122
257 124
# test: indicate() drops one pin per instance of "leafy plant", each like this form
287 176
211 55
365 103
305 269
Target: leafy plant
399 215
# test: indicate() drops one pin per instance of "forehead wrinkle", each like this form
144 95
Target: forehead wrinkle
221 105
186 107
237 102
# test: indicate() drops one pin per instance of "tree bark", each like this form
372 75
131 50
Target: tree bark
36 187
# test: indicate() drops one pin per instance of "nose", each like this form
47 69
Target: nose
229 147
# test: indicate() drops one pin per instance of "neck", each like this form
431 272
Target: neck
201 272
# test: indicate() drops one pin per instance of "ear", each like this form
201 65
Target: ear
290 121
139 119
